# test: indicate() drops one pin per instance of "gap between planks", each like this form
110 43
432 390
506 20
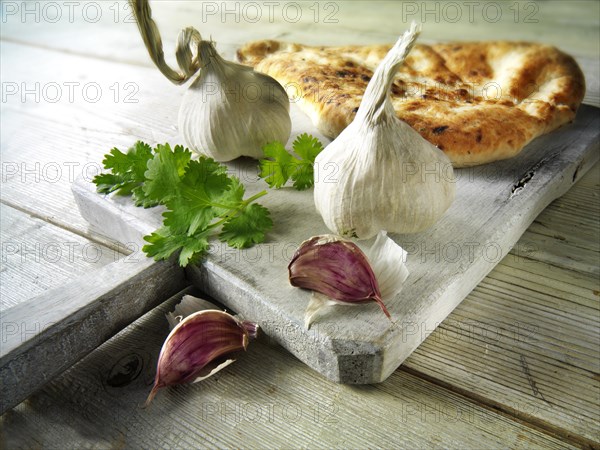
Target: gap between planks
281 379
524 419
95 237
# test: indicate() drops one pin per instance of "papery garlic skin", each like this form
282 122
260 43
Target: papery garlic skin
186 307
388 261
388 177
199 346
230 110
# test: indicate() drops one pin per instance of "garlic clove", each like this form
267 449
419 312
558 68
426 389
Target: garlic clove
336 268
199 346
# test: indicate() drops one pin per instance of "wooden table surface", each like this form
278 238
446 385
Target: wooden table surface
515 365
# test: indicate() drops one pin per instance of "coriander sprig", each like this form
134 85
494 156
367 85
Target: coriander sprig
279 165
200 198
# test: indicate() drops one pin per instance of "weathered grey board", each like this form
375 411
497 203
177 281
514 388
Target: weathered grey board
494 206
97 404
47 334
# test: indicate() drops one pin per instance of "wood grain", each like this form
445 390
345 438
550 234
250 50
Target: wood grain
46 132
265 399
333 23
37 256
346 21
71 138
47 334
526 337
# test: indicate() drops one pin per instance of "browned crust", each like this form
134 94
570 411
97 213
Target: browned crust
477 101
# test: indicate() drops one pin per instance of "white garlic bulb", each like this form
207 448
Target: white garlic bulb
388 177
230 110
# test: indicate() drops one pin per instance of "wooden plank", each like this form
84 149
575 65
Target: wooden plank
251 281
333 23
266 399
558 252
37 256
47 334
122 134
71 137
551 237
525 340
346 21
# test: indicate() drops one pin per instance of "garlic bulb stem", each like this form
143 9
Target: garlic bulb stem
376 99
188 39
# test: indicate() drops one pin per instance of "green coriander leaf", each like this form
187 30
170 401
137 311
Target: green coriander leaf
248 227
127 170
275 169
303 176
199 196
279 165
208 175
232 198
193 250
141 199
165 171
109 182
210 166
164 242
134 161
117 161
307 147
200 188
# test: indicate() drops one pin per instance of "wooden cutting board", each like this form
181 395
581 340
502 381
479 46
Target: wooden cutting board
494 205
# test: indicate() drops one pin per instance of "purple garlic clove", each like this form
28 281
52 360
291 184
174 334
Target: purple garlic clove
199 346
336 268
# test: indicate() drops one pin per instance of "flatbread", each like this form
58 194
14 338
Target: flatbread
477 101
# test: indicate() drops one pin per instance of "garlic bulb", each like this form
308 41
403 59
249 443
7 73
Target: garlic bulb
388 176
229 110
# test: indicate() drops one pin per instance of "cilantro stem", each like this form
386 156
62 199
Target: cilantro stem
234 211
241 205
253 198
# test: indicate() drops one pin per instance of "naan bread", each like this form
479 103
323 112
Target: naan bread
478 102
